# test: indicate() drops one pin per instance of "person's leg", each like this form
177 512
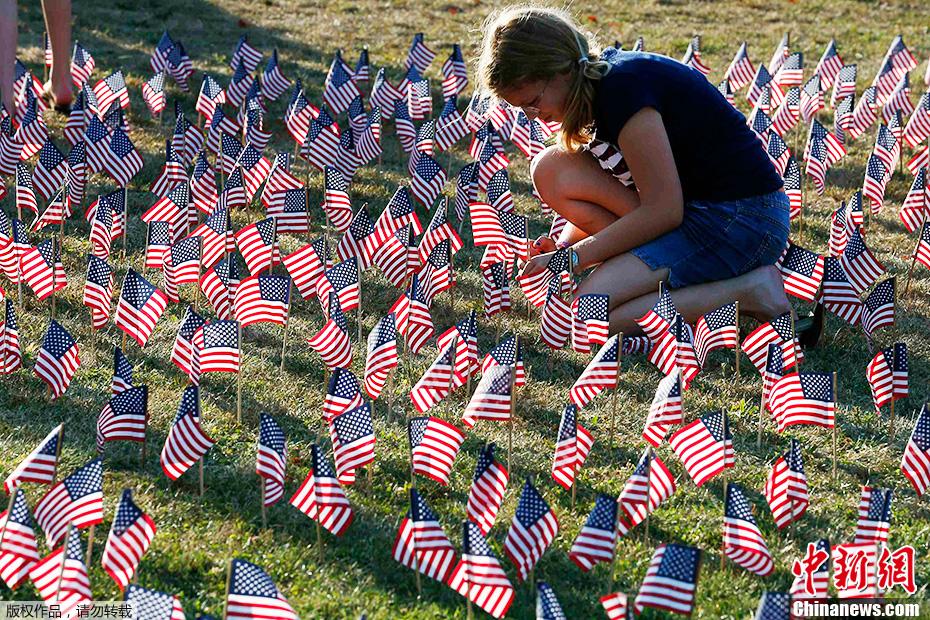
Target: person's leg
58 24
8 41
577 188
760 294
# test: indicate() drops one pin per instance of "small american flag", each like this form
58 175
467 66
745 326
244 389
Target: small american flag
50 171
413 318
812 98
865 112
778 152
124 418
692 56
271 460
742 541
671 579
597 538
532 530
817 164
332 341
252 595
19 551
616 605
382 355
479 576
874 516
779 330
61 576
38 466
57 359
829 65
203 190
342 394
306 264
173 173
362 67
353 439
340 88
786 487
258 243
74 127
879 308
32 132
406 130
77 172
657 321
98 290
547 605
488 486
915 465
650 484
299 113
123 161
916 203
25 192
153 93
153 604
555 323
705 447
774 606
11 357
591 325
716 330
802 272
498 191
495 287
336 202
674 351
740 72
265 298
341 280
130 536
450 126
434 445
428 180
181 266
82 65
761 82
219 284
245 53
140 305
603 372
419 55
572 447
774 370
347 159
78 500
792 180
368 145
399 212
239 85
42 270
527 135
321 498
918 126
186 442
112 88
838 295
493 397
384 95
182 352
421 544
844 84
887 374
507 352
665 410
843 117
803 398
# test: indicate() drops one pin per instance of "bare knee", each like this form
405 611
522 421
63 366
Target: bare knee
544 169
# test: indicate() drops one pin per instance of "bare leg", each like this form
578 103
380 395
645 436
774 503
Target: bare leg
8 42
58 24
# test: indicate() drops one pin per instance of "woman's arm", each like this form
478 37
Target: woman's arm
648 153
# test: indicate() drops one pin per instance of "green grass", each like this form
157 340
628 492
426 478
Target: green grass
197 536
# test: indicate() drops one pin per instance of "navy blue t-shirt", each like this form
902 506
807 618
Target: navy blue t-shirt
718 157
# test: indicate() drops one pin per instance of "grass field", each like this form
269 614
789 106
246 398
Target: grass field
197 536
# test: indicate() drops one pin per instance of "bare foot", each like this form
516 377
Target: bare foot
59 95
764 296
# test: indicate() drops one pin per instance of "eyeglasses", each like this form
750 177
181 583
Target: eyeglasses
531 110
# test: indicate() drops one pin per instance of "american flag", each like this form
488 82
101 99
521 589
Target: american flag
50 171
123 161
179 66
82 65
305 266
781 53
507 352
340 89
428 180
692 56
11 357
493 396
495 287
124 418
434 445
886 149
488 486
838 295
38 466
25 193
341 280
716 330
527 135
98 290
490 160
779 330
399 212
342 394
413 318
845 221
219 284
32 132
450 126
572 447
230 148
597 538
173 208
547 605
153 604
252 595
384 95
774 370
898 103
419 55
299 113
740 72
476 115
879 308
187 140
73 130
657 321
153 93
290 210
271 459
181 265
182 352
19 551
774 606
368 145
203 191
812 98
792 187
813 585
916 203
555 324
353 439
403 125
421 544
439 230
532 530
887 374
665 410
834 148
332 341
258 243
786 487
603 372
222 138
61 576
362 67
173 173
77 173
803 398
742 541
264 298
915 465
140 305
616 605
42 270
186 442
320 496
112 89
650 484
802 272
498 191
844 84
130 536
382 355
671 579
762 81
591 322
674 351
57 359
76 500
874 516
245 53
336 202
865 113
705 447
239 85
843 117
724 89
829 65
255 168
437 274
918 126
817 164
479 576
778 152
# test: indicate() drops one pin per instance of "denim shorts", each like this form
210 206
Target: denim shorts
720 240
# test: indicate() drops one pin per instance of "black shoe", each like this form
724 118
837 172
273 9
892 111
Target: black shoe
809 328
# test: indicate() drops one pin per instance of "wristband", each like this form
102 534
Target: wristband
561 245
574 260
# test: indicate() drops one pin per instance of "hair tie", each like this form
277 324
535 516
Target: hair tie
583 60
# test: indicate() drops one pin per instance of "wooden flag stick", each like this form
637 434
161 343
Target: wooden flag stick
199 273
358 315
737 351
125 220
9 509
64 555
144 451
723 542
890 426
319 542
762 405
455 344
835 421
226 596
287 316
613 397
90 544
54 269
19 271
649 457
239 378
513 399
61 432
261 500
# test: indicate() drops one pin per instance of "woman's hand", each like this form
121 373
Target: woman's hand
536 265
542 245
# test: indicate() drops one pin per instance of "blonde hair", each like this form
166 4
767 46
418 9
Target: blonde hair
528 43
